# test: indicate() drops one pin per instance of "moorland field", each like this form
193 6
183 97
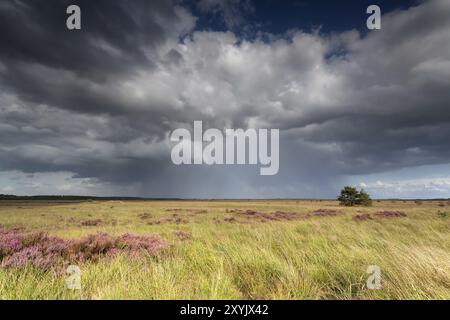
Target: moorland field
272 249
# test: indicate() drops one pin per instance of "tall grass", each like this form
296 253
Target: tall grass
318 258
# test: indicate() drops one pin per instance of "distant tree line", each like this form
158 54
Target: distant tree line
54 197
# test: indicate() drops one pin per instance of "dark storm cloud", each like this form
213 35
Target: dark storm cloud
44 62
114 34
99 103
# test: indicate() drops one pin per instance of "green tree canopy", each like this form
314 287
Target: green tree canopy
350 196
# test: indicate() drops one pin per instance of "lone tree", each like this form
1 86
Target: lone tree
350 197
364 199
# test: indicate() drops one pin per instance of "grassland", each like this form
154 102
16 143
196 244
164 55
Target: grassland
320 252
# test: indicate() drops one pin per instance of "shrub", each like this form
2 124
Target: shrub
364 199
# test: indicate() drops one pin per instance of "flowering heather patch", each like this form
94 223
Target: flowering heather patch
150 244
145 216
390 214
9 243
92 247
180 221
156 222
198 211
30 256
173 209
19 249
324 213
362 217
91 223
379 215
253 215
174 220
281 215
182 235
233 211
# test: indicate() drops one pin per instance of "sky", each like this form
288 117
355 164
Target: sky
90 111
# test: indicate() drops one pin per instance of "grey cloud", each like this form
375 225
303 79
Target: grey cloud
346 104
114 41
45 63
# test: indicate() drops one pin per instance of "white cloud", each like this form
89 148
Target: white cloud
410 188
